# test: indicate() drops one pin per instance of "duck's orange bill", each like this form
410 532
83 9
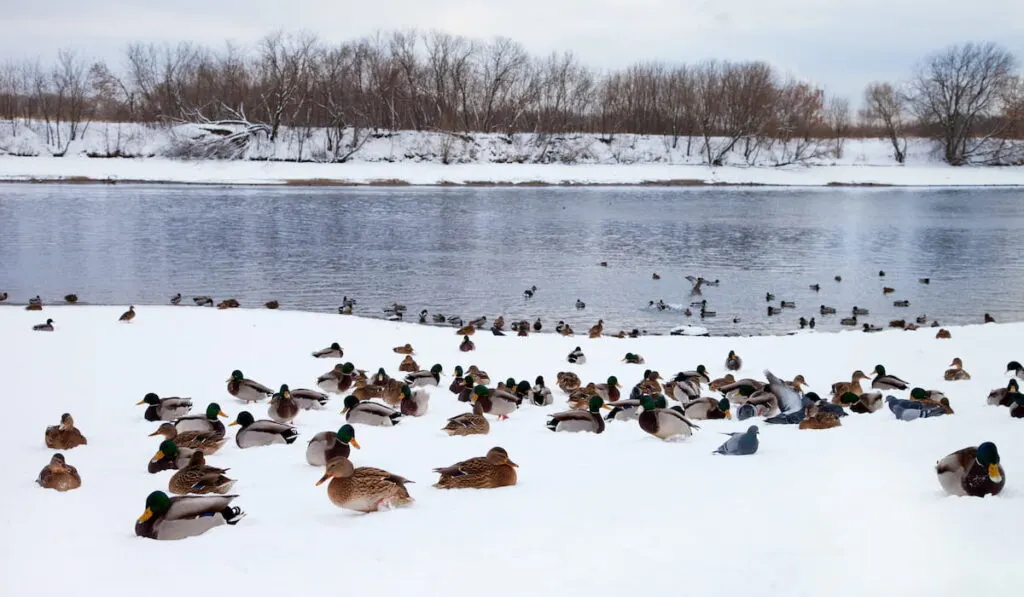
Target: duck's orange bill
354 443
146 515
323 479
993 473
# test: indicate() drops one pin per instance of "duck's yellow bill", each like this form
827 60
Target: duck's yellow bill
222 414
146 515
606 406
232 423
140 403
728 414
993 473
323 479
344 410
158 456
354 443
287 395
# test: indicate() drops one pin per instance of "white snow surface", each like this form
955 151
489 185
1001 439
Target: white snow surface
854 511
428 158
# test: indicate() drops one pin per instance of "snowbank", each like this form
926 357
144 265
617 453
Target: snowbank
850 511
147 154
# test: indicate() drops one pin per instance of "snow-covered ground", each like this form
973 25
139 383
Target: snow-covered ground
854 511
427 158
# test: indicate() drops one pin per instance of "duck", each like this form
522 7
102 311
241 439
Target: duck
769 297
472 423
580 305
903 303
884 381
404 349
43 327
923 395
414 402
567 381
817 418
898 323
859 311
1014 368
64 436
860 403
579 420
309 399
480 376
499 323
71 299
576 357
528 293
973 471
483 472
370 413
566 330
943 334
328 445
787 304
59 475
888 290
956 371
466 393
623 410
199 478
208 422
579 399
183 516
228 304
496 402
207 442
3 296
841 387
169 456
334 351
824 310
924 280
537 325
282 408
466 345
815 287
128 315
420 379
364 489
247 390
1003 396
597 329
774 310
540 394
733 362
718 383
761 403
458 382
707 408
633 359
868 327
609 391
203 301
408 365
272 304
989 319
255 433
664 423
164 409
338 380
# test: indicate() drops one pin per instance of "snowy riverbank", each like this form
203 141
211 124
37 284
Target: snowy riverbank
592 514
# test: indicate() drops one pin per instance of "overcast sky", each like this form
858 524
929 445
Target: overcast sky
839 45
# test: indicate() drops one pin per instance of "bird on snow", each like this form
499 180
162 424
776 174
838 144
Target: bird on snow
740 444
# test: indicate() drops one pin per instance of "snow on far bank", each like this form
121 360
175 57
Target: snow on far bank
428 158
595 515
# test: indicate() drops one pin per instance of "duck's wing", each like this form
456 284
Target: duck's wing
189 506
789 399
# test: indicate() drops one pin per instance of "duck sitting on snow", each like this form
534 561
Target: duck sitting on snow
496 402
200 478
43 327
818 418
247 390
609 391
884 381
364 489
255 433
474 423
370 413
973 471
428 378
169 456
576 357
597 329
1003 396
467 344
167 518
1015 369
567 381
579 420
64 436
540 394
328 445
479 375
164 409
414 402
860 403
733 362
309 399
956 371
207 442
707 408
664 423
334 351
282 408
486 472
853 386
338 380
408 365
633 359
59 475
207 422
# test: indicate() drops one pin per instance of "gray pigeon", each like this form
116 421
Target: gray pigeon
789 399
740 444
908 410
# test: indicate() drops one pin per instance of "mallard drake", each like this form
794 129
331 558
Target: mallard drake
848 320
1015 369
64 436
370 413
203 301
1003 396
408 365
169 456
432 377
364 489
733 362
956 371
664 423
853 386
247 390
255 433
576 357
864 403
731 390
404 349
467 345
884 381
183 516
717 384
164 409
334 351
540 394
824 310
206 442
859 311
309 399
496 402
486 472
597 329
633 359
1016 405
328 445
609 391
128 315
338 380
207 422
580 420
199 478
458 383
282 408
272 304
477 374
707 408
3 296
903 303
474 423
414 402
43 327
567 381
972 471
59 475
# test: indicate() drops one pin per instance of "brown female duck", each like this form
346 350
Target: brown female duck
486 472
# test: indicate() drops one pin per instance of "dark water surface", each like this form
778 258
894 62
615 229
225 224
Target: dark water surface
472 252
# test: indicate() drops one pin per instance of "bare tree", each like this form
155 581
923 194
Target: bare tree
837 117
957 92
885 105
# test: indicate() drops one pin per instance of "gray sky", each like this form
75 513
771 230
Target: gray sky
839 45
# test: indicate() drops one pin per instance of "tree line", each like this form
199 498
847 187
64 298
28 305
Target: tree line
969 98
